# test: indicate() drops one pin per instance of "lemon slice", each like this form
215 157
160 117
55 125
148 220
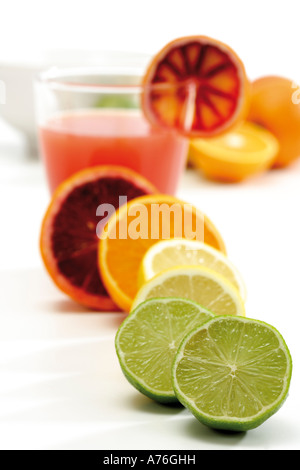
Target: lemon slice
236 155
208 288
175 252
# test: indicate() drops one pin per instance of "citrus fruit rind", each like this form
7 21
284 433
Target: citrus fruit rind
68 237
232 373
202 285
196 85
176 252
120 254
147 340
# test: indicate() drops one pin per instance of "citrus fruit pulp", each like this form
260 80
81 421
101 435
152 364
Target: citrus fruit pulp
147 340
203 285
68 240
273 107
120 254
232 373
236 155
176 252
196 85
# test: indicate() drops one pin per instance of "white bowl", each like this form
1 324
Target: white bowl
17 78
17 107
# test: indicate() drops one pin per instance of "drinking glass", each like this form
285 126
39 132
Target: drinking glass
93 116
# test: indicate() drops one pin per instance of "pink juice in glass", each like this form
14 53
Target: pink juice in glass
79 139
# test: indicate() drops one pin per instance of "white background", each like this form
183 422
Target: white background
60 383
264 33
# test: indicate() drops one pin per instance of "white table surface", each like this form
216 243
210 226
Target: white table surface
61 386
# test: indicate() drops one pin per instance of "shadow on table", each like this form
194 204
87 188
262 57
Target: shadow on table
66 306
141 403
36 293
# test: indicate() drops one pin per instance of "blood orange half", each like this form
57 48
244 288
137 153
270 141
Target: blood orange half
69 240
196 85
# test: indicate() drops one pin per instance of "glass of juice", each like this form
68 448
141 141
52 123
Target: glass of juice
93 116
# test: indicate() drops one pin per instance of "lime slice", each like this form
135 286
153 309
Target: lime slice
147 340
203 285
232 373
175 252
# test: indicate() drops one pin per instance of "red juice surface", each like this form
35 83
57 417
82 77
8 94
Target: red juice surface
72 142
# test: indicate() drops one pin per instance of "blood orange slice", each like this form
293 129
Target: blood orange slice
69 240
196 85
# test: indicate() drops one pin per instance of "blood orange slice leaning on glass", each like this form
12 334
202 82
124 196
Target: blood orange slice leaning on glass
196 85
69 239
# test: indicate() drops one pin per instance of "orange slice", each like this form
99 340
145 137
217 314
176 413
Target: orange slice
235 155
70 230
196 85
137 226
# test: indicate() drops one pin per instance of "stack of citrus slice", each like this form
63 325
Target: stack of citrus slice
186 337
134 228
97 264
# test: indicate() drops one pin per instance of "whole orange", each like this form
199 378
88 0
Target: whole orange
275 106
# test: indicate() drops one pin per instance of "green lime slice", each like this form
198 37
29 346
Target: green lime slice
232 372
147 341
